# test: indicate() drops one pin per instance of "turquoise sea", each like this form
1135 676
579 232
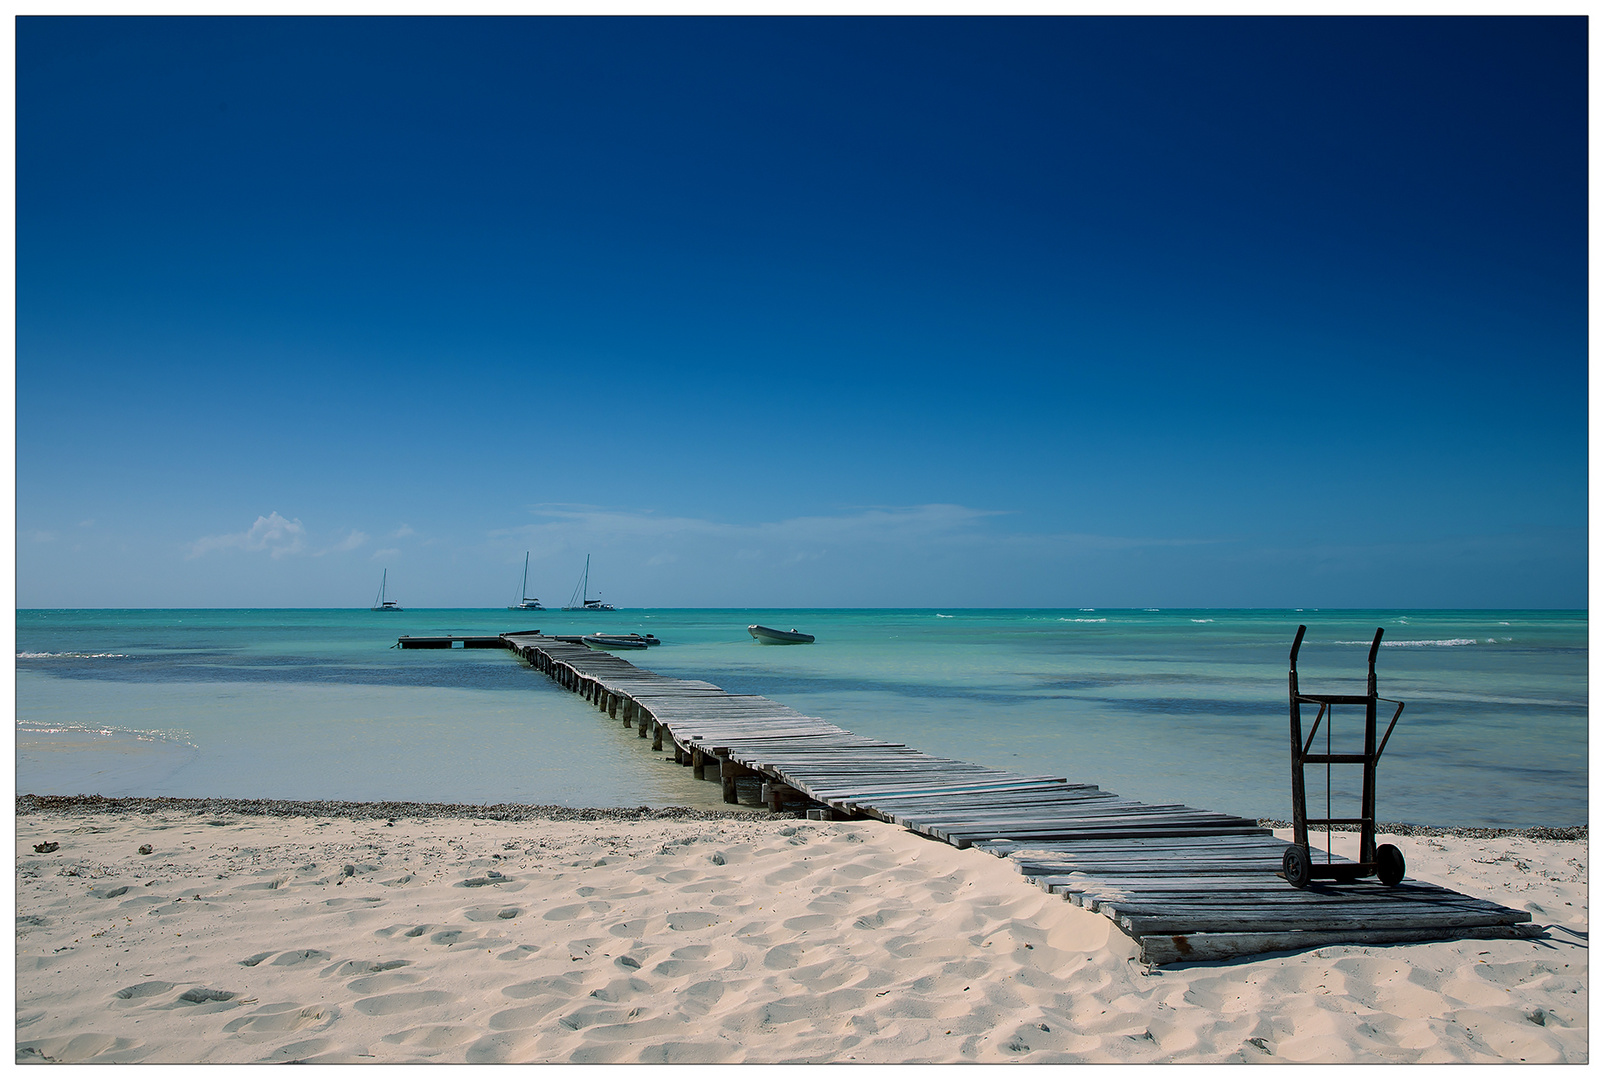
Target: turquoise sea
1162 705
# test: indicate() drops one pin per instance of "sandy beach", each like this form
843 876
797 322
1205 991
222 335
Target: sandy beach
342 933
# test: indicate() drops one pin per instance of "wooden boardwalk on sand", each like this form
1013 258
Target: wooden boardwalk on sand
1186 884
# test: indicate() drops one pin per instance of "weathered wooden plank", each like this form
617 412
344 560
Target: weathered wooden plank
1198 948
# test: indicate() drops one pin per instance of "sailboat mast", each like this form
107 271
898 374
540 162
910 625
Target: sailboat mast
586 585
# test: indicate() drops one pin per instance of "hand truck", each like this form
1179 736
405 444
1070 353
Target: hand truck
1385 862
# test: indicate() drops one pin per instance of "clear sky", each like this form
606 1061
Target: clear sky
818 312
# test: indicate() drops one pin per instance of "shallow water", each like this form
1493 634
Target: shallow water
1166 706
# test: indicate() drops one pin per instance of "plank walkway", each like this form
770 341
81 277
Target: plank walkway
1188 885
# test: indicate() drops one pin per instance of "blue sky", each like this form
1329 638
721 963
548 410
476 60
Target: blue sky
771 312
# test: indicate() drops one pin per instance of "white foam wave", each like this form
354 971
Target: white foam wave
1444 642
173 735
946 616
1202 620
72 656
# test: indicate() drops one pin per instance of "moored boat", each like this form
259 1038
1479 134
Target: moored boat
581 600
609 642
525 601
767 635
379 602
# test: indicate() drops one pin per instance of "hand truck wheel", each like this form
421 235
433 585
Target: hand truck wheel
1389 865
1296 867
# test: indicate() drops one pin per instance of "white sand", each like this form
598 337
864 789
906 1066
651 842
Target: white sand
757 940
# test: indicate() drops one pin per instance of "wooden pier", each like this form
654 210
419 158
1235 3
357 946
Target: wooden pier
1186 884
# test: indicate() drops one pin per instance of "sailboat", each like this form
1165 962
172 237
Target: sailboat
525 601
380 603
581 600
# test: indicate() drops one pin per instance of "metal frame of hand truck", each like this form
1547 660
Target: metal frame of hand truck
1386 862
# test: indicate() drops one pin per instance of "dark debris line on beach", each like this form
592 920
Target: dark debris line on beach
1186 884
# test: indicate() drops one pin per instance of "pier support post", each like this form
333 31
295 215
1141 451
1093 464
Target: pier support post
698 762
776 793
657 735
728 772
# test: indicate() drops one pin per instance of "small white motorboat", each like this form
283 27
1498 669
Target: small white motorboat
767 635
609 642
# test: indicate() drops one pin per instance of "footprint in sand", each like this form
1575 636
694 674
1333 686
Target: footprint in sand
143 990
285 1017
378 984
274 882
566 985
783 957
691 920
202 995
300 1050
809 922
491 914
77 1048
699 999
300 956
390 1004
360 967
432 1038
568 912
500 1048
524 1016
451 937
520 952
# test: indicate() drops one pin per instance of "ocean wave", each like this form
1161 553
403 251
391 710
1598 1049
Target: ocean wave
156 735
1083 620
1202 620
1444 642
946 616
72 656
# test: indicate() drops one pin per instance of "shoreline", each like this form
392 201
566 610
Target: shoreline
356 811
217 930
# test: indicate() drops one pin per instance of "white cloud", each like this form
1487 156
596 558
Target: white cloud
41 536
402 532
354 539
384 553
274 534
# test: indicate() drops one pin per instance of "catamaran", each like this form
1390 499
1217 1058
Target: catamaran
581 600
379 602
525 601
